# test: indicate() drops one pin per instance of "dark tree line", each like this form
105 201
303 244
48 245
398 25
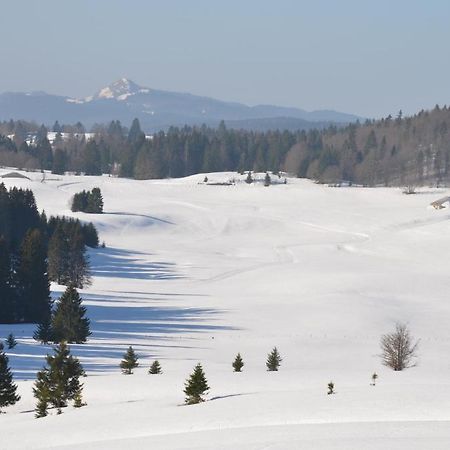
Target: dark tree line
35 250
390 151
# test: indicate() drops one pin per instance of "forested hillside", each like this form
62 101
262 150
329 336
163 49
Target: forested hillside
391 151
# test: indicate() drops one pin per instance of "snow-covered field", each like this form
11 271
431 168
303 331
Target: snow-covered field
198 273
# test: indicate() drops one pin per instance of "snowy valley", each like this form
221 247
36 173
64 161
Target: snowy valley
197 273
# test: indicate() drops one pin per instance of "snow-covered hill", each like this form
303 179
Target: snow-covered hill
194 272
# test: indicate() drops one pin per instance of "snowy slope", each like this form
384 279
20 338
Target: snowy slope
197 273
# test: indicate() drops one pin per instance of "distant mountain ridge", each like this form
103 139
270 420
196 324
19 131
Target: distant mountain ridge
156 109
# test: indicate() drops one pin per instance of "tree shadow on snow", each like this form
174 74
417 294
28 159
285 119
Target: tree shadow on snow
117 263
150 329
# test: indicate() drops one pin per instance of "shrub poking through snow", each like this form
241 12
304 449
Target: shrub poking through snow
78 401
129 361
238 364
374 378
155 368
330 388
273 360
11 341
249 179
399 350
196 386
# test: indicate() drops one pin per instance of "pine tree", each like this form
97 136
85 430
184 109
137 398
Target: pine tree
129 362
8 389
78 264
59 381
59 162
249 179
7 307
135 134
95 201
238 364
267 180
330 388
44 331
34 286
273 360
69 322
91 159
58 254
11 341
155 368
196 386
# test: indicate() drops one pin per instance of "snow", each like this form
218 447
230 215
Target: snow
193 272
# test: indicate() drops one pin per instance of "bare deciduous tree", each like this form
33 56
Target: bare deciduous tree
399 350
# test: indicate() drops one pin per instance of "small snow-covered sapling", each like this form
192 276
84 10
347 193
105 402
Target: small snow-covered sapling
330 388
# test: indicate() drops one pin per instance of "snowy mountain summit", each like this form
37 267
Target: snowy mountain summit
157 110
119 90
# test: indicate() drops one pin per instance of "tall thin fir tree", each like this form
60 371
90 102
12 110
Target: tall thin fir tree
196 386
69 322
78 271
58 255
34 292
7 306
8 389
129 361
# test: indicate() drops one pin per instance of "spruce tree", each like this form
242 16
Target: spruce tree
238 364
129 362
95 201
273 360
59 381
69 322
11 341
155 368
196 386
8 389
7 307
44 331
58 254
34 286
78 264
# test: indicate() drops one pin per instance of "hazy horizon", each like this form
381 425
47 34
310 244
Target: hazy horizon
371 60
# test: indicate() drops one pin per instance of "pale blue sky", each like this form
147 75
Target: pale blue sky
365 57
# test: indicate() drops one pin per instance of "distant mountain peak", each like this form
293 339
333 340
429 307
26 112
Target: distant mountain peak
119 90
